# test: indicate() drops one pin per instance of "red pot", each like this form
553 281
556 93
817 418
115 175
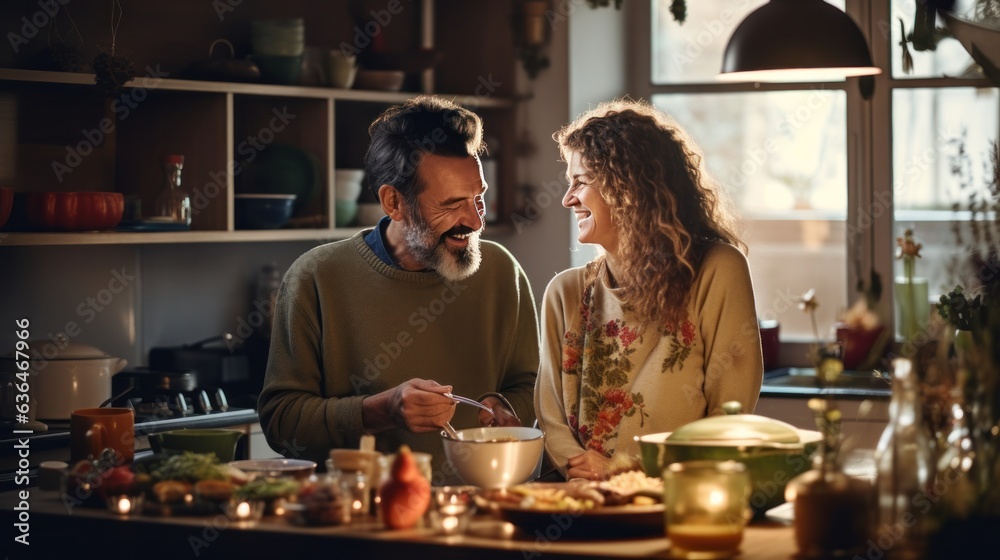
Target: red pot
74 211
857 344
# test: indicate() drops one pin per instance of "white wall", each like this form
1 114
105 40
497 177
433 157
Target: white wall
597 73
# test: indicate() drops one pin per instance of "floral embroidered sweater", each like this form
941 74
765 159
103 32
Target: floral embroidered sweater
604 377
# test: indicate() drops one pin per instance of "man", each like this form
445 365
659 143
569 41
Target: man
371 332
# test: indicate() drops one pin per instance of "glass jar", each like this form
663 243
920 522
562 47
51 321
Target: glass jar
904 464
355 487
707 506
173 203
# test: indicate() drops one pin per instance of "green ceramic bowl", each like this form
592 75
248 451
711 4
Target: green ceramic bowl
774 452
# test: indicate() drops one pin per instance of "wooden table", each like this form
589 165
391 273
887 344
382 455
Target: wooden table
55 532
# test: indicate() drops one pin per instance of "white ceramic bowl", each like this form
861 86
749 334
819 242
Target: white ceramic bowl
379 80
369 213
483 462
348 183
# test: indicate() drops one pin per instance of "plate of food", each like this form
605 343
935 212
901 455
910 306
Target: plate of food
627 505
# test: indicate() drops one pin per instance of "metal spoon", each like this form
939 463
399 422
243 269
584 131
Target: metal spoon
450 431
467 400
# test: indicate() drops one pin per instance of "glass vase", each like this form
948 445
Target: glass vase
913 307
904 465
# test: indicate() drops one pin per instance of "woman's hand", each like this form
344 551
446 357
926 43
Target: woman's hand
590 465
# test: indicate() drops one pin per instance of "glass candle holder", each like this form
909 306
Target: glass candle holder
245 511
452 508
356 491
706 508
125 504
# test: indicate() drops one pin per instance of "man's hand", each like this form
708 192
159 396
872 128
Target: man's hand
502 416
418 405
590 465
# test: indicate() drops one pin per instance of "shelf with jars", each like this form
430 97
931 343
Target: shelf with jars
237 138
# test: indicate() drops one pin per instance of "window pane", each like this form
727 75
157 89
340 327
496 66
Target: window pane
929 125
782 156
940 55
692 51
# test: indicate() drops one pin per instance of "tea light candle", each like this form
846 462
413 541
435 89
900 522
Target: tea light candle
124 504
706 503
244 510
451 508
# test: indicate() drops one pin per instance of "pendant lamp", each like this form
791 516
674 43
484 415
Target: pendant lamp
796 41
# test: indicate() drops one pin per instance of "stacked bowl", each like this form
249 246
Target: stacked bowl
347 188
278 45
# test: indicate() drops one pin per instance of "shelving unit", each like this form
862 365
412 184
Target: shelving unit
219 126
210 123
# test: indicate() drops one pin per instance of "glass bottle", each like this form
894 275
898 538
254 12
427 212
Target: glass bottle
173 201
904 464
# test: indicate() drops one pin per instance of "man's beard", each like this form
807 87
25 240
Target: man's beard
430 250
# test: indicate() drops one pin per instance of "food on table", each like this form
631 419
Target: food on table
214 490
627 488
267 488
406 495
171 491
631 487
117 481
319 503
497 439
190 467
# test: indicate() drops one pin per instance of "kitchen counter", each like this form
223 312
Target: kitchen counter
53 444
802 382
55 532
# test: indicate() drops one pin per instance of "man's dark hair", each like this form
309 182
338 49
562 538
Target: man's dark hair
403 134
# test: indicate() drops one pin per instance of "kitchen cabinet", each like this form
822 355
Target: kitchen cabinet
68 136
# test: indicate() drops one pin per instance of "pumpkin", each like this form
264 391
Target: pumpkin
74 211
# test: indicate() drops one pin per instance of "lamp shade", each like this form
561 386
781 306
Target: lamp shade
796 41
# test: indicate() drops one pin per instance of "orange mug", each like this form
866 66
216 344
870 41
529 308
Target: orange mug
92 430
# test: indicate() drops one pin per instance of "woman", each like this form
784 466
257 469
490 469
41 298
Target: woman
660 328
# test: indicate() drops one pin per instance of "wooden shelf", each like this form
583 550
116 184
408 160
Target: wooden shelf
169 84
16 239
152 237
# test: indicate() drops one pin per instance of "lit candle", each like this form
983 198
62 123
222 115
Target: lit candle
124 505
243 510
705 502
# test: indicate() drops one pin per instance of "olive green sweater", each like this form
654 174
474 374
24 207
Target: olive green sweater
346 325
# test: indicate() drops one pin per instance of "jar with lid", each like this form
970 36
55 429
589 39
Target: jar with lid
173 203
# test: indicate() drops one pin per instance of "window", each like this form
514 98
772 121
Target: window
824 179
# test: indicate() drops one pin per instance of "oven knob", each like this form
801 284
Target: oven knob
204 404
221 402
182 404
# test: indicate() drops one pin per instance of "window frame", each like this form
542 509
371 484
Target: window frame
869 138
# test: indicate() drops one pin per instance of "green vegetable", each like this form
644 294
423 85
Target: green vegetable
190 467
267 488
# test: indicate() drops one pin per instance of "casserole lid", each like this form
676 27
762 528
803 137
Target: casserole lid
64 350
735 428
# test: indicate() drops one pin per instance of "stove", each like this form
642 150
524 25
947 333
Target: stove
175 398
158 407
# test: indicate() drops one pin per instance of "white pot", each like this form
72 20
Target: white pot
79 376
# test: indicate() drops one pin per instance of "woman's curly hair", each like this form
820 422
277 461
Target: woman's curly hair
666 208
